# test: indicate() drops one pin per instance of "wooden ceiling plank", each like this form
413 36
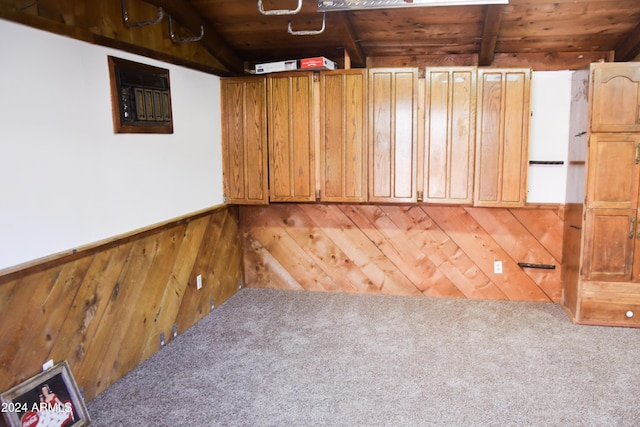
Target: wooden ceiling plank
630 47
350 41
186 16
492 21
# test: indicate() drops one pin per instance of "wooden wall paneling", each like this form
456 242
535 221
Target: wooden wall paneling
482 248
192 235
434 243
219 263
571 256
80 342
364 264
322 250
146 310
102 308
403 253
118 318
404 278
502 225
400 250
269 230
546 226
30 327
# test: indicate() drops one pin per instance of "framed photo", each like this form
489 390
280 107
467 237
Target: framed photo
140 97
49 399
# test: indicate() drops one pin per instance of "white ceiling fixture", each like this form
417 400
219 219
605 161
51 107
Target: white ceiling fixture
334 5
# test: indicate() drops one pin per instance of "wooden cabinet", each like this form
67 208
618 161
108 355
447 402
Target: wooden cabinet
449 137
613 176
393 120
244 140
502 137
607 289
292 171
609 244
343 171
615 102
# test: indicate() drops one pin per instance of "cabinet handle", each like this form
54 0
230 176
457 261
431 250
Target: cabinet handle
632 228
638 153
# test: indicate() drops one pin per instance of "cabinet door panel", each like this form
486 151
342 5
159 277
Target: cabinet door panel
291 142
393 131
615 97
449 135
609 244
244 140
342 136
614 171
502 146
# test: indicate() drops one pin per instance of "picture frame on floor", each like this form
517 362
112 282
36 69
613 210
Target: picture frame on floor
50 398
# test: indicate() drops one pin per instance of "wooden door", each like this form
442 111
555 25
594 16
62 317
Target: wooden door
450 109
244 140
343 98
393 113
292 173
613 176
609 244
615 100
502 137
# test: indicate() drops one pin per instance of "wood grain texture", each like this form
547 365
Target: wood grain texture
103 310
415 250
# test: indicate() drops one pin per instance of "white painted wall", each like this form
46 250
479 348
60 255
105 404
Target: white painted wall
66 179
549 137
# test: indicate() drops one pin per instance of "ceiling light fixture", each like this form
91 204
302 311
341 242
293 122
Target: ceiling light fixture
335 5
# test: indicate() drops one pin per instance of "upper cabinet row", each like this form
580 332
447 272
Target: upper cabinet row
451 136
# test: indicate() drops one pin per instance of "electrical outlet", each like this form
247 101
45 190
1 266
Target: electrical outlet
199 281
497 267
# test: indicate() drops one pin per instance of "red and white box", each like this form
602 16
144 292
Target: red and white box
317 63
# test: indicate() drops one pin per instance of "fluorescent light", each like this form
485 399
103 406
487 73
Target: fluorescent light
333 5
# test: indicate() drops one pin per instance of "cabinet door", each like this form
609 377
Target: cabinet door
613 173
610 238
615 100
342 136
292 174
244 140
450 109
393 112
502 137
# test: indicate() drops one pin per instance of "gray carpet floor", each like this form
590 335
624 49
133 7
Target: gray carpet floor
293 358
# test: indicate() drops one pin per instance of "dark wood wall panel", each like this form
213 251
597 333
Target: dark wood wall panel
404 250
103 309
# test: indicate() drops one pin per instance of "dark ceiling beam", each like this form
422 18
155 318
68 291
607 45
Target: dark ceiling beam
630 47
492 21
350 40
185 16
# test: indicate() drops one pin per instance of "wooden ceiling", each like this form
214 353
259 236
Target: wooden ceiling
541 34
563 32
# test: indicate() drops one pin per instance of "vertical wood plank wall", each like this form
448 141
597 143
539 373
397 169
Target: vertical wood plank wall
404 250
103 309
